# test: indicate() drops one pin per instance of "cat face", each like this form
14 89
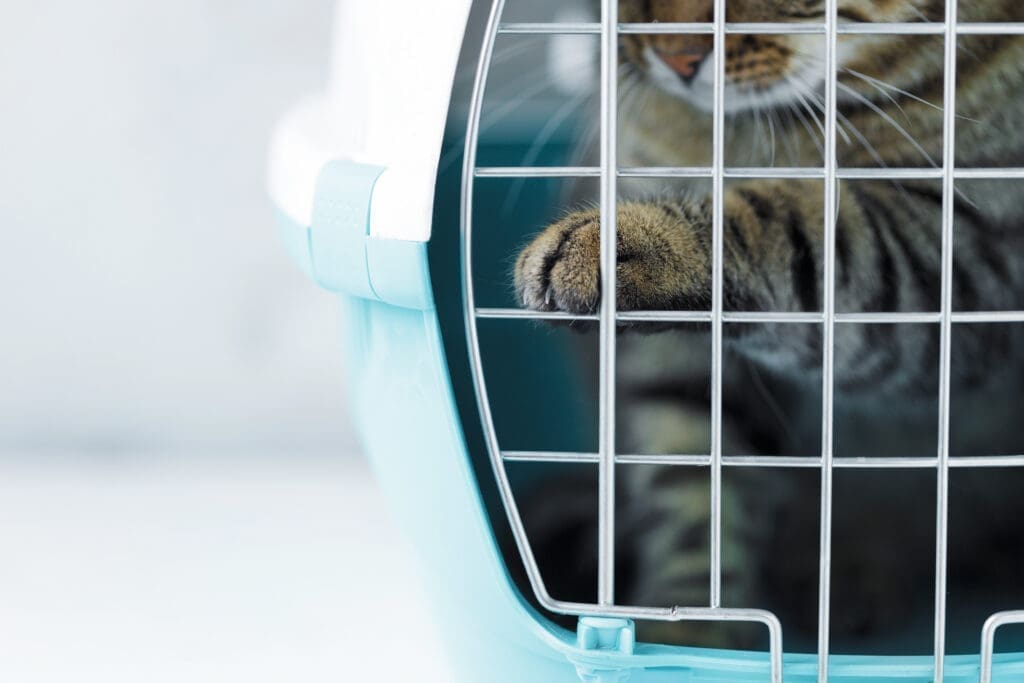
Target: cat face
760 70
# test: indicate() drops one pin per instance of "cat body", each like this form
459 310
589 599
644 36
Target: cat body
888 258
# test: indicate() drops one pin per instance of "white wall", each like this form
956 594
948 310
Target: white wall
145 302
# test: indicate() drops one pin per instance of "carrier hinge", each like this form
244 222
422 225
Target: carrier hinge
602 643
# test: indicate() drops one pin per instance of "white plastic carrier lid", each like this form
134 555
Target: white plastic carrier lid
392 72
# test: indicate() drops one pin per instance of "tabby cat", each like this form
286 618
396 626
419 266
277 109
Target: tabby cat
888 258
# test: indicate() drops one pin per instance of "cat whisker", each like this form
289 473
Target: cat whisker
495 115
797 113
799 91
895 102
818 102
771 134
882 86
788 145
520 90
889 86
537 146
794 144
920 15
888 119
758 135
798 110
874 83
503 54
862 139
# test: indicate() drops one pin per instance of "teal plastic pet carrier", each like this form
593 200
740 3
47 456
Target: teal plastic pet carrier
387 190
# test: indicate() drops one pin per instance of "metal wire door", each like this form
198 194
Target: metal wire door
609 172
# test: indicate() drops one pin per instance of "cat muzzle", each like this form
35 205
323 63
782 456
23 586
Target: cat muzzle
684 63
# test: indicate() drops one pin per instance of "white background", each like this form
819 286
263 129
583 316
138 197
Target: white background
181 495
144 300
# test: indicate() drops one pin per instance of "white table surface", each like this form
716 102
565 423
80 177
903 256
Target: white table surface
202 568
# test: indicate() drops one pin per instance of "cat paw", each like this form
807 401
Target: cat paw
662 257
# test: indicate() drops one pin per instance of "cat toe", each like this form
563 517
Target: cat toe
559 270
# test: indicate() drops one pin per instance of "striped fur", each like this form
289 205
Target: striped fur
888 258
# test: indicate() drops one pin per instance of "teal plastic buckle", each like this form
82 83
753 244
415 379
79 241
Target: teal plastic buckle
344 258
602 643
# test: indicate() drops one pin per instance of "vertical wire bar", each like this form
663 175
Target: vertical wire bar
948 196
717 251
609 202
828 345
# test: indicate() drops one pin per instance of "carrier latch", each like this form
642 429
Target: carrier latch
344 257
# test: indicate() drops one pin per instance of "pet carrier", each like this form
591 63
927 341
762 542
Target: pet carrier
380 189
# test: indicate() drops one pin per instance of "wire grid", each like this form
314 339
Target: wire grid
608 172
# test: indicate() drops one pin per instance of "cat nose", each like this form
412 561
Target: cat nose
685 63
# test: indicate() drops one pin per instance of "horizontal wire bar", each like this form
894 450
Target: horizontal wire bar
683 460
549 456
853 28
771 461
965 317
664 316
774 172
666 27
665 172
538 172
889 173
988 173
751 172
902 463
772 28
594 458
768 461
767 317
1004 28
890 28
966 462
550 28
771 317
524 314
888 318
